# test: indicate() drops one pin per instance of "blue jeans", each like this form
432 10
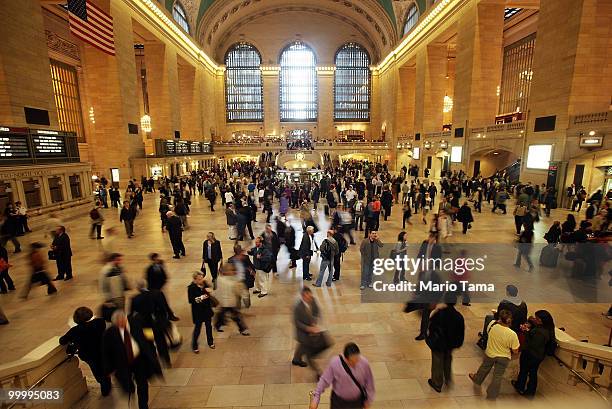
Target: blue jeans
325 264
366 274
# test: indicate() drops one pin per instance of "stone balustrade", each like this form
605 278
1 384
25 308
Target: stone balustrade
46 360
593 362
441 134
501 131
590 118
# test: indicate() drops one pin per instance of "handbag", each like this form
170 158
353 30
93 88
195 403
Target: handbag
51 255
213 301
173 336
364 393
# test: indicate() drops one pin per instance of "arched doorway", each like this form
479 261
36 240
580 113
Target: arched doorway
490 160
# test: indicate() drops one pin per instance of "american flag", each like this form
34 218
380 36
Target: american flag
92 25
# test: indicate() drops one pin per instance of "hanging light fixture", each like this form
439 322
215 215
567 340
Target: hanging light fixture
145 123
427 145
448 104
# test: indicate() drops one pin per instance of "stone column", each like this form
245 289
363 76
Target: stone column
191 120
163 87
404 116
478 64
271 101
571 65
112 90
25 77
325 77
429 88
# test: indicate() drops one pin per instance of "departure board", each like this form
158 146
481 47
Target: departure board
178 148
13 143
182 148
195 147
170 148
48 144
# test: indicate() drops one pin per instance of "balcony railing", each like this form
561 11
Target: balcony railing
46 366
591 118
509 130
589 362
441 134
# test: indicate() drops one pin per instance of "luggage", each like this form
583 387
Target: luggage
549 256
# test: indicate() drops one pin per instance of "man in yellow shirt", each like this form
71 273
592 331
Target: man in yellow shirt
502 343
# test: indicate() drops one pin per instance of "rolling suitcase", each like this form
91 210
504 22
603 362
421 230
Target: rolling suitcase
549 256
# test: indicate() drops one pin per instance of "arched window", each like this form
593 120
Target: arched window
352 84
179 15
412 17
298 83
243 84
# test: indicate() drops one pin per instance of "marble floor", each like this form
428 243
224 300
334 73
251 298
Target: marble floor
256 370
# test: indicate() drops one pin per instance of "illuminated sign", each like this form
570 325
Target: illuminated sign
591 141
14 146
538 156
47 145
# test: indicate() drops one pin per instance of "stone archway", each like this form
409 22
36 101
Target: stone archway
489 160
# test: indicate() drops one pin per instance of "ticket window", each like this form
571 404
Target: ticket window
55 188
6 195
31 189
75 187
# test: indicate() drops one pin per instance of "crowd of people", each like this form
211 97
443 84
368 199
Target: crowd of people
133 340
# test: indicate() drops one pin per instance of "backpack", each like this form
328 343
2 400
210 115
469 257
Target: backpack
326 250
94 214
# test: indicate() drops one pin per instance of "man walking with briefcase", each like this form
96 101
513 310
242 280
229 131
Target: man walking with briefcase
310 338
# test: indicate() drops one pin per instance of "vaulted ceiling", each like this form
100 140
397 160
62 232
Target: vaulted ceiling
216 22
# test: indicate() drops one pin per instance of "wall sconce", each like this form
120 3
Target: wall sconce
443 145
427 145
145 123
409 145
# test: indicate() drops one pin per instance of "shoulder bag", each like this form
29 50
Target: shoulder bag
364 394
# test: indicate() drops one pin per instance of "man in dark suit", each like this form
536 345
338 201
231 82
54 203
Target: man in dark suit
272 243
212 255
157 277
175 231
306 314
63 254
129 356
430 252
305 252
153 314
86 338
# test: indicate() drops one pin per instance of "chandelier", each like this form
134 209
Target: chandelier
448 104
145 123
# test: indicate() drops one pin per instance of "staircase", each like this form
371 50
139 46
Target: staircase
513 172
